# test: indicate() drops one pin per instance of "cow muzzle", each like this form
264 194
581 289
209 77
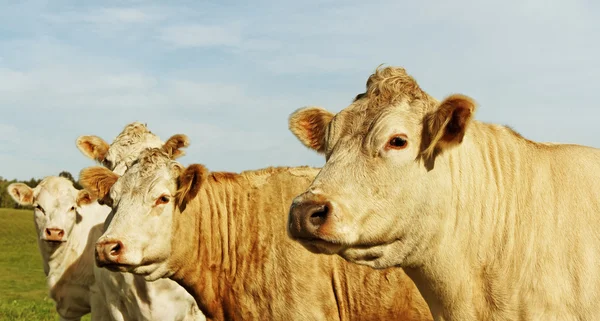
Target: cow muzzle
108 253
308 217
54 235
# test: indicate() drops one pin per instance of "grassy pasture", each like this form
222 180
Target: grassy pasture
23 292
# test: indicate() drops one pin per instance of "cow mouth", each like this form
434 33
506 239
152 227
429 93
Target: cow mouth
115 267
321 246
54 242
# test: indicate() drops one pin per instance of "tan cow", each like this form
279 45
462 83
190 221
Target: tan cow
68 223
129 296
489 225
222 237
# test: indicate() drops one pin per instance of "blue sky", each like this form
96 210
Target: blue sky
228 73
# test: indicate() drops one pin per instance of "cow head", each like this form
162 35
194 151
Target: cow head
56 206
126 148
144 201
378 196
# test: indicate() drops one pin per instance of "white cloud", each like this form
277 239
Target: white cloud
194 35
107 16
307 63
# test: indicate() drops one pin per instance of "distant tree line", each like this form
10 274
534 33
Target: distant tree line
7 202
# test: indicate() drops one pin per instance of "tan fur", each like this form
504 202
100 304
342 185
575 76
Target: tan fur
174 144
229 248
308 125
97 181
493 227
93 147
84 198
385 85
189 183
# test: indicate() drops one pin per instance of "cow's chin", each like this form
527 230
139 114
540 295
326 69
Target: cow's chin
152 272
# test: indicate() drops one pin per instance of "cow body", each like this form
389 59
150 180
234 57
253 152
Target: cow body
222 237
67 260
489 225
234 256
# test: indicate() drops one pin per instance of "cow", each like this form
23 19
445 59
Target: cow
129 296
488 224
222 237
68 223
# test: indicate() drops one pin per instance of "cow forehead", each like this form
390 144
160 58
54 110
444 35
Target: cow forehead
146 174
131 147
387 88
134 138
361 120
55 191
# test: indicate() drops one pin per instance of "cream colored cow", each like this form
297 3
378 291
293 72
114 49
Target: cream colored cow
68 224
222 237
489 225
129 297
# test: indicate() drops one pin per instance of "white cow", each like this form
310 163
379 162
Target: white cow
67 224
129 296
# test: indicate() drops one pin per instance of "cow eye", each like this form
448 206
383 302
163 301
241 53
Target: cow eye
39 208
164 199
72 208
397 142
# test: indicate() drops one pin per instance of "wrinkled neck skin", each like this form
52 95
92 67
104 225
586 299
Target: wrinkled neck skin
232 252
200 267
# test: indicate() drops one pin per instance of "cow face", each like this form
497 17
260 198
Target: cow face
377 196
56 206
144 200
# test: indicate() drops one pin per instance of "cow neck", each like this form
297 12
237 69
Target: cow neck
474 237
229 237
207 227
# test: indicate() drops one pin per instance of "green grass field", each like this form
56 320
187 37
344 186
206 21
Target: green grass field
23 292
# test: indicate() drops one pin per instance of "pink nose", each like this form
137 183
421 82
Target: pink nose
54 234
108 252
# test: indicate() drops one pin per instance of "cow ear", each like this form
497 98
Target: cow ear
189 183
445 127
84 197
309 124
97 181
93 147
172 145
21 193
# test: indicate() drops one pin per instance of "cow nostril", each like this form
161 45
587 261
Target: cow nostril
61 233
116 249
48 232
319 215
